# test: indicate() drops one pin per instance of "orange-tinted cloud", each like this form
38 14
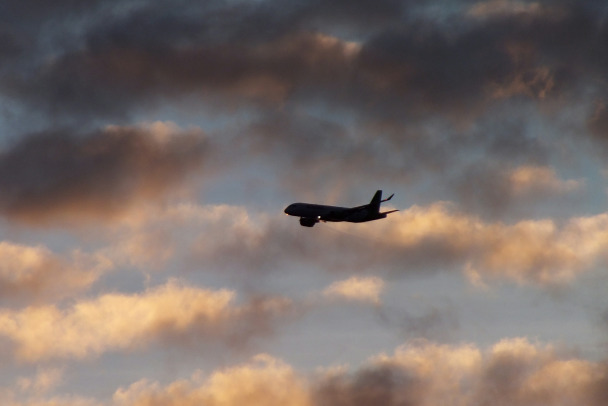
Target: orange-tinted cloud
514 372
112 321
541 252
527 179
44 381
532 251
63 176
36 274
263 381
357 288
174 312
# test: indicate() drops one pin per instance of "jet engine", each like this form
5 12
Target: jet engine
308 221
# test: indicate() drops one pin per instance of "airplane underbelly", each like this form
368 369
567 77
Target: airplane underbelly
358 216
312 212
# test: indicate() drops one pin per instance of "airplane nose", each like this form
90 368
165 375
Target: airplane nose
288 209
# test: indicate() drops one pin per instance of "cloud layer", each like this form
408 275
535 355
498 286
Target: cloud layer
513 372
35 274
62 175
433 90
541 252
147 150
115 321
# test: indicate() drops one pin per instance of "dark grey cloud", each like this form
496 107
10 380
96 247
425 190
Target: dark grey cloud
598 390
412 68
30 9
10 45
419 373
114 81
435 323
512 373
598 121
396 67
404 156
61 174
386 385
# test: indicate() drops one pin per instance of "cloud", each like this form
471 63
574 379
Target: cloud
502 8
357 289
263 381
495 189
112 321
540 252
173 313
110 80
533 251
528 178
513 372
62 176
471 102
52 401
598 121
433 323
406 68
44 381
396 78
518 372
37 275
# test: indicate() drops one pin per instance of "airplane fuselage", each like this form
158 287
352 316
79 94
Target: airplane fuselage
332 213
310 214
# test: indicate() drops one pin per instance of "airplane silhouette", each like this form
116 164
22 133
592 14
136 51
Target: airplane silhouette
310 214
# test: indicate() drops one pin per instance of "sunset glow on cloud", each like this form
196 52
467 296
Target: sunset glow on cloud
363 289
110 322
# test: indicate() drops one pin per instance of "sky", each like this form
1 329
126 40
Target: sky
149 148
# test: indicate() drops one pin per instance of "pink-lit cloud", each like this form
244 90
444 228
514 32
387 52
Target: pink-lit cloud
541 252
515 372
114 322
365 289
37 275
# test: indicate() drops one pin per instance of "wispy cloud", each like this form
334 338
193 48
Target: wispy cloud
365 289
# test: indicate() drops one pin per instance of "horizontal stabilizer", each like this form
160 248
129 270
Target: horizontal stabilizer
389 212
388 198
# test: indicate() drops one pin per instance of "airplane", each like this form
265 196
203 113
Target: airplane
311 214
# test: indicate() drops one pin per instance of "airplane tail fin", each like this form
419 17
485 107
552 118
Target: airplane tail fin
376 200
375 204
